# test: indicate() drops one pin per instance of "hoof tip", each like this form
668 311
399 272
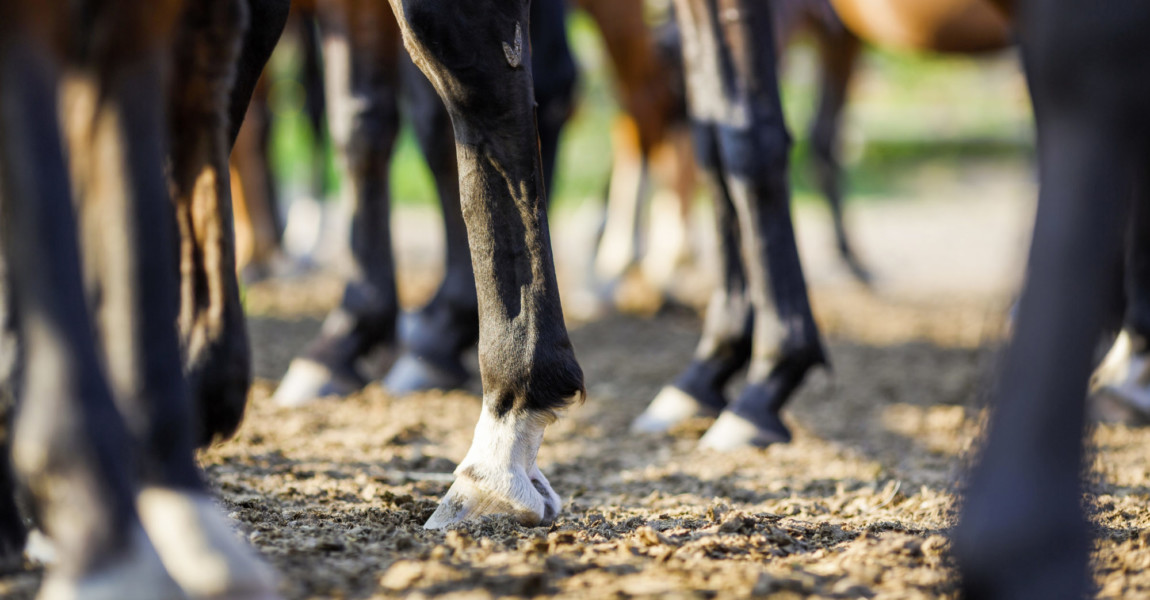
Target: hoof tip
732 432
411 374
671 407
307 381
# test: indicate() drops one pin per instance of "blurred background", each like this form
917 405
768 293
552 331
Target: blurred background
937 151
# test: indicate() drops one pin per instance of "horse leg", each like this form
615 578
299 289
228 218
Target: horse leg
117 135
618 247
838 55
361 46
13 533
477 56
435 337
70 447
1121 384
729 53
257 221
1021 532
725 346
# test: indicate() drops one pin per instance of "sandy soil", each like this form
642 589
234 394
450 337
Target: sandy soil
858 505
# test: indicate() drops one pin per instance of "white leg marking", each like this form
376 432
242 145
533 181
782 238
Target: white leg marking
499 474
671 407
307 381
200 549
731 432
1121 384
136 575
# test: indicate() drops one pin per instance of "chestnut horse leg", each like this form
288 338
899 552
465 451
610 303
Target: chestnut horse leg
1022 533
478 57
257 221
361 48
838 55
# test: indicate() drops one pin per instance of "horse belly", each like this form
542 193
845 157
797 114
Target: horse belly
935 25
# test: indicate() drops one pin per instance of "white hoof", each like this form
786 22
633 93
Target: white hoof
671 407
499 475
40 549
307 381
1121 383
136 575
732 432
199 548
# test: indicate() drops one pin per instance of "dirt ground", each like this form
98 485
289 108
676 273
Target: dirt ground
858 505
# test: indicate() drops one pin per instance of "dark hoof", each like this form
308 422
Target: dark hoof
412 374
307 381
732 432
221 397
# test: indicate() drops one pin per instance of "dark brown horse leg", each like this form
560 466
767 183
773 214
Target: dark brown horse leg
1021 532
70 446
478 57
211 322
361 46
435 337
838 54
130 224
725 346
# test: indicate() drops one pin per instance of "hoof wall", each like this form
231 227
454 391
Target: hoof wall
411 374
529 503
671 407
307 381
138 574
732 432
196 543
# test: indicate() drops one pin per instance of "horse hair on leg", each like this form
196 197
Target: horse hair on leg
478 57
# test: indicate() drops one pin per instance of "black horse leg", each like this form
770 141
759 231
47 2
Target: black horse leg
1121 384
553 69
1021 532
730 57
435 337
478 57
13 533
361 46
725 346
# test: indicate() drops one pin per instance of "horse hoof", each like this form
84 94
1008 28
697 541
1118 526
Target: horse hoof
671 407
138 574
1121 384
732 432
199 549
412 374
307 381
499 475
